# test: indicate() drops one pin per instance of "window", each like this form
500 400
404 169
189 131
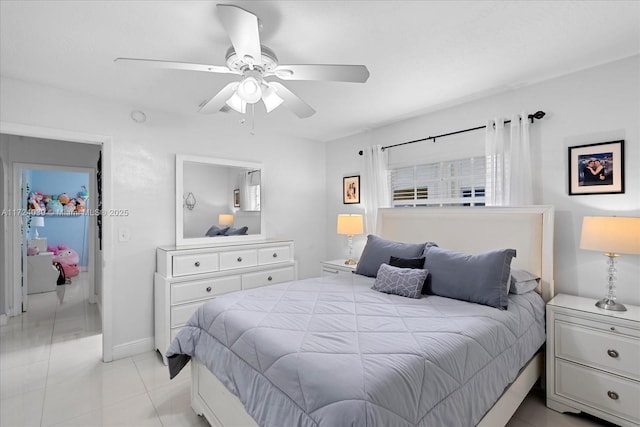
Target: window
451 183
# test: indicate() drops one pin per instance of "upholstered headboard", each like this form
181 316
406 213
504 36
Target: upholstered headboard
472 230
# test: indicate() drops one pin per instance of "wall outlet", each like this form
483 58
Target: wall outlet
123 235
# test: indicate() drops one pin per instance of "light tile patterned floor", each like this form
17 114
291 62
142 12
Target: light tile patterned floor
51 374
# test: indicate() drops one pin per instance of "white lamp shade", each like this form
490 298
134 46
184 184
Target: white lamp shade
611 234
350 224
225 219
37 221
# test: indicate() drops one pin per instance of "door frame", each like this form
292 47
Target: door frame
105 262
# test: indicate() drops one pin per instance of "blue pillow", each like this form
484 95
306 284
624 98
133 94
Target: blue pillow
482 278
378 251
406 282
236 231
216 231
522 281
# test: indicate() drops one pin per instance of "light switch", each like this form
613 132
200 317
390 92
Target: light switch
123 235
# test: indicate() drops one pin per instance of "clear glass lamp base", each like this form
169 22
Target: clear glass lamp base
609 304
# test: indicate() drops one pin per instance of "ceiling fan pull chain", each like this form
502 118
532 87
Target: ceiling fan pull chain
253 119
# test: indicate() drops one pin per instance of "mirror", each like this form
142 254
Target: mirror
218 201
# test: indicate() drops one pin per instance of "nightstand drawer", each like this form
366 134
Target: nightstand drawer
600 348
238 259
609 393
202 289
194 264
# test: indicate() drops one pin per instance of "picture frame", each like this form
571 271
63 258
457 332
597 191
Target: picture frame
351 190
596 168
236 198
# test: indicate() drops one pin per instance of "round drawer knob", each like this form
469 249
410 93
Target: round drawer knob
275 255
239 259
197 263
612 328
208 288
613 395
613 353
269 278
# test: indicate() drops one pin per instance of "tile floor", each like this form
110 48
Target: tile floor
51 374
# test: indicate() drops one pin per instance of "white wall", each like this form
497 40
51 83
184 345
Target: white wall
595 105
143 170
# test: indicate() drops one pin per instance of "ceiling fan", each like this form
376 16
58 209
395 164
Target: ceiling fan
255 63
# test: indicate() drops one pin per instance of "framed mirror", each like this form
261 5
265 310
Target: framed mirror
218 201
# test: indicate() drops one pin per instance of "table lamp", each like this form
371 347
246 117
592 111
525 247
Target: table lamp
225 219
612 235
37 222
350 224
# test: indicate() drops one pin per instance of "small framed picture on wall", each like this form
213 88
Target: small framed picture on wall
351 189
596 168
236 198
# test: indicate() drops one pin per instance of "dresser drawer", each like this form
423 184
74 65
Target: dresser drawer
238 259
274 254
202 289
194 264
267 277
181 313
608 393
600 348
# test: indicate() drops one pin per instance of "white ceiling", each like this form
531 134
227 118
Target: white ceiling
422 55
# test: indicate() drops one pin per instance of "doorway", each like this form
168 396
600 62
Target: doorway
58 148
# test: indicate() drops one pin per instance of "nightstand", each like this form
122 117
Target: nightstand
335 267
593 359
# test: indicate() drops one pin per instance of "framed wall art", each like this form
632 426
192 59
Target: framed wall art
596 168
351 189
236 198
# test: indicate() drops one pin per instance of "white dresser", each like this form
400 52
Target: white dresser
187 277
593 359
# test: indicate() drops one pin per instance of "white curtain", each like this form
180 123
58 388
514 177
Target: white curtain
375 185
508 163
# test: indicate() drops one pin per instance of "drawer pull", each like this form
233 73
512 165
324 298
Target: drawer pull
197 263
269 278
208 288
239 259
613 353
275 255
332 271
613 395
612 328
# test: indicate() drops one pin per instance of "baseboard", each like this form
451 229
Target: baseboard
133 348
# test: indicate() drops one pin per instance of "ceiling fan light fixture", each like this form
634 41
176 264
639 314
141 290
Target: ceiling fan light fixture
236 103
249 90
271 99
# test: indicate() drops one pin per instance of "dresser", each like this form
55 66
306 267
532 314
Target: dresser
188 277
593 359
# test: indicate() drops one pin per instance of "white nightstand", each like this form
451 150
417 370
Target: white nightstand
593 359
336 266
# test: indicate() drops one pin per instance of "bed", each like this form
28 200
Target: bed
333 351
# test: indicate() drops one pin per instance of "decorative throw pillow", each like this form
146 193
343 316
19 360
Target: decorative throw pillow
406 262
216 231
406 282
481 278
378 251
236 231
522 281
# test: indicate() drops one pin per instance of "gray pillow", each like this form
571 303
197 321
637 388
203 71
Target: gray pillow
481 278
406 282
236 231
522 281
216 231
378 251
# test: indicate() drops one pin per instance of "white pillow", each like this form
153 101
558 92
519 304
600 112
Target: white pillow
522 281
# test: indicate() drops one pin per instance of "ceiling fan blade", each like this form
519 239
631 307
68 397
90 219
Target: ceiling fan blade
218 101
339 73
242 28
292 101
156 63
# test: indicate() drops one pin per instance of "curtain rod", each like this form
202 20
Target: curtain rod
537 115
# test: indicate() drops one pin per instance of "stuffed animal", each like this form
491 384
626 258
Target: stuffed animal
69 259
63 198
84 193
53 249
54 206
69 207
80 206
33 203
32 250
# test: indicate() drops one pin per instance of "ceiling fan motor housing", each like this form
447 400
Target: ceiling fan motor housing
236 63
